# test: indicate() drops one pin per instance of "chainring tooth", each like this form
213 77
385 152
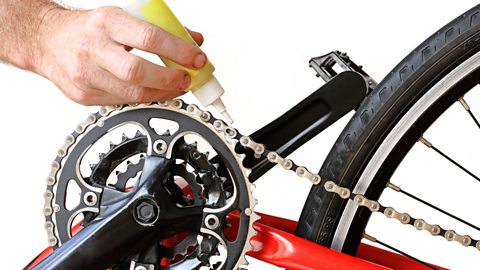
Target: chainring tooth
208 184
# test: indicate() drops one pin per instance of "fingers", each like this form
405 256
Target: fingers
91 96
198 37
135 70
100 87
133 32
103 88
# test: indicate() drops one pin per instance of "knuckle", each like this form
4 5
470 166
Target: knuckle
79 74
148 36
175 80
185 53
131 71
84 47
98 17
81 97
101 16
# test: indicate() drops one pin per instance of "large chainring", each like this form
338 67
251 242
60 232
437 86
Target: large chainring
192 181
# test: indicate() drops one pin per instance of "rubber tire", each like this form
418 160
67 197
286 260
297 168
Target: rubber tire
373 121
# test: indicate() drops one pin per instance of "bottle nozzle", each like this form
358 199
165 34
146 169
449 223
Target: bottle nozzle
220 107
227 117
210 94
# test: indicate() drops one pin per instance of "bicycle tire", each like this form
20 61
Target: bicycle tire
375 119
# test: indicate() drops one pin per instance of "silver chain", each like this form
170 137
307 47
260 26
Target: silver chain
358 199
226 133
259 150
331 187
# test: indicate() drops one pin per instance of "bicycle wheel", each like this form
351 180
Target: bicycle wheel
387 125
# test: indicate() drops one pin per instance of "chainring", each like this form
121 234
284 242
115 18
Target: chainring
203 180
193 181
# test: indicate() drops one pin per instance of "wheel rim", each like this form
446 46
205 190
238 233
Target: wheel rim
395 135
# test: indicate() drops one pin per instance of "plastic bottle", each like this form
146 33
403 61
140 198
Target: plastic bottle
204 85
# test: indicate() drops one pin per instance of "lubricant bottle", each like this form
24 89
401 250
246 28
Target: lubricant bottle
204 85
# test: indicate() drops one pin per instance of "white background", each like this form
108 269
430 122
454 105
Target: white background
261 51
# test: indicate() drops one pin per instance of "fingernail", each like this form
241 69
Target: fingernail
186 82
199 60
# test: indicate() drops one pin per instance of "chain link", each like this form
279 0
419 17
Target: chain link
219 126
259 151
359 199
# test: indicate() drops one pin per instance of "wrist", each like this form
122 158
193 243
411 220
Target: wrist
50 15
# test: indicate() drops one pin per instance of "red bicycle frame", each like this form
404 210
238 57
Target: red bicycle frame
276 244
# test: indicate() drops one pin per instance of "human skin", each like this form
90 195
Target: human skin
86 54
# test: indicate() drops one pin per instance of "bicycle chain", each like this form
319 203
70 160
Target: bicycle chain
358 199
98 119
259 150
343 192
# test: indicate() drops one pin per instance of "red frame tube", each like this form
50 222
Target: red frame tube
276 244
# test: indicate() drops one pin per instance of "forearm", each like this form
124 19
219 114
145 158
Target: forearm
20 31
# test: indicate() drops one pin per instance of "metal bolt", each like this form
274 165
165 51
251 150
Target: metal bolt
196 155
160 147
146 212
212 222
90 198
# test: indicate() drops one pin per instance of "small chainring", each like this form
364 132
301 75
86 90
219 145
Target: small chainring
192 181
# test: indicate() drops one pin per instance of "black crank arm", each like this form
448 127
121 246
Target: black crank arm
114 234
308 118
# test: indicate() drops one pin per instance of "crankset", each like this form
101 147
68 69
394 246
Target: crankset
156 201
153 199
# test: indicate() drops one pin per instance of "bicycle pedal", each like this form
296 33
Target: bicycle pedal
330 65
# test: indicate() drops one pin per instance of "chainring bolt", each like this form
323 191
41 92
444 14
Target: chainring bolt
212 222
90 198
160 147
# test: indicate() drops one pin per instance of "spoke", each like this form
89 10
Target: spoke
467 108
431 146
375 240
398 189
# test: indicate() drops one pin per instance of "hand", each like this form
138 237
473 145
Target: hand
86 54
